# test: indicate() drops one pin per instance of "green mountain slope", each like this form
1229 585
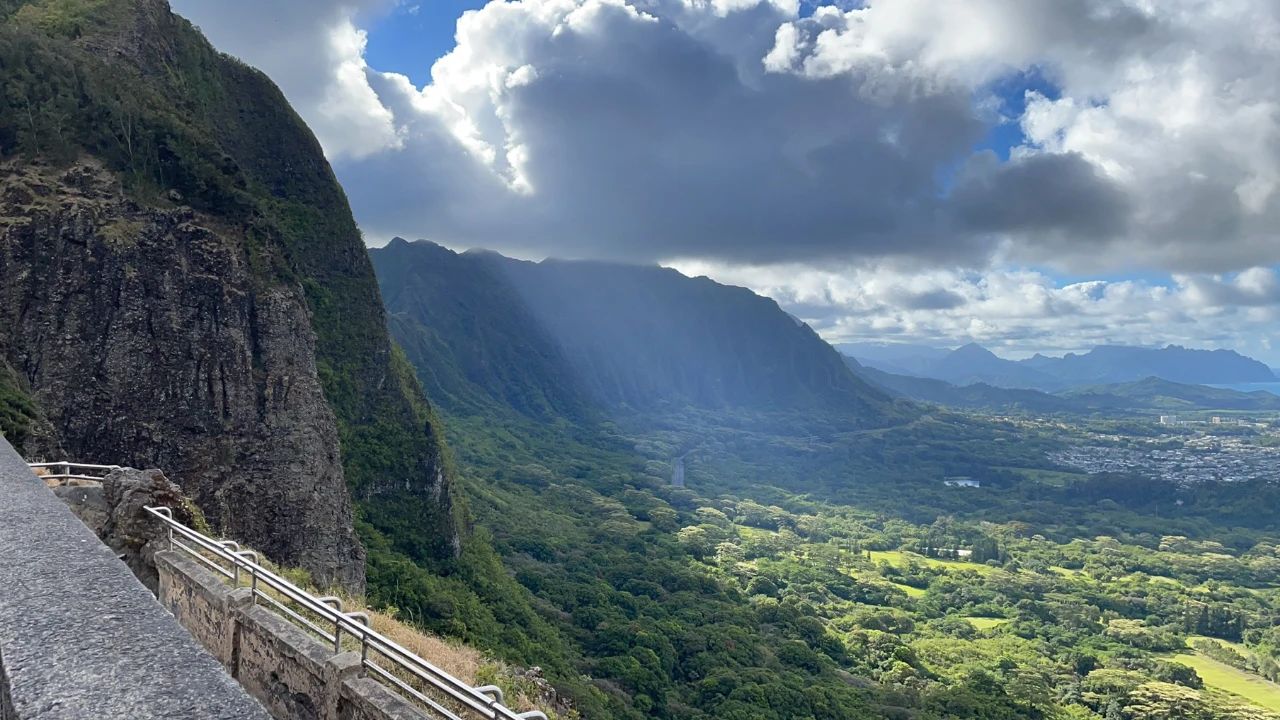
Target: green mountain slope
624 338
471 335
1158 394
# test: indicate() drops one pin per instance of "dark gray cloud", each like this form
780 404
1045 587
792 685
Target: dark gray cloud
660 147
1046 195
938 299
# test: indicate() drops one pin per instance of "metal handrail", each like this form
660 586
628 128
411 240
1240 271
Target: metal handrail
73 470
485 701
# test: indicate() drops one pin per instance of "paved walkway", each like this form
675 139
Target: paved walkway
80 637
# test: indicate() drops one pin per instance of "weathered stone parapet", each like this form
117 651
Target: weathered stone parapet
202 603
368 699
294 676
80 637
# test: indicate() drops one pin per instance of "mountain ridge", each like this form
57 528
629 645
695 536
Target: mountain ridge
1105 364
1148 394
644 338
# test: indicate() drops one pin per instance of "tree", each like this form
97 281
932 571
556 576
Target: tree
1166 701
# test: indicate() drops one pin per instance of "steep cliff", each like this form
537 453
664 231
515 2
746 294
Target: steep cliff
182 286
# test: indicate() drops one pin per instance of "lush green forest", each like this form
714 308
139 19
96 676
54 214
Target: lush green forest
802 575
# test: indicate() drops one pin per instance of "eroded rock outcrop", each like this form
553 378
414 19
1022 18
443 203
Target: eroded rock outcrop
115 509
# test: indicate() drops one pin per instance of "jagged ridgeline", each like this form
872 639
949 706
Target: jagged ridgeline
182 284
591 336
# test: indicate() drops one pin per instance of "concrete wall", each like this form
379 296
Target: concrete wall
283 666
80 637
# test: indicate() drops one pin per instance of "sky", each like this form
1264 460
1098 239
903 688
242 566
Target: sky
1033 175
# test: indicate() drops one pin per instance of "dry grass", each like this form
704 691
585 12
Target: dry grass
44 473
461 661
465 663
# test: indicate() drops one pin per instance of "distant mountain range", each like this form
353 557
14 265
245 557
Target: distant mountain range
1151 393
562 338
974 364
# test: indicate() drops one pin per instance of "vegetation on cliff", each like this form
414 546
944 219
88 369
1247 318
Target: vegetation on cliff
138 89
18 413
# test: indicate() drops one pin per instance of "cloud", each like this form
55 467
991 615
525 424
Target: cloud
314 51
1255 288
607 130
1041 196
737 131
834 160
1018 311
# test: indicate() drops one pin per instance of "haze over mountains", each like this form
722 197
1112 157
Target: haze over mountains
973 363
1106 379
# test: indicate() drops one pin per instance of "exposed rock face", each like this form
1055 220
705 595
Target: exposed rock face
147 341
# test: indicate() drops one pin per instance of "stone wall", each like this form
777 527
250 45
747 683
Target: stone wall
80 637
283 666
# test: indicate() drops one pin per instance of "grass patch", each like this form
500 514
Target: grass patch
1221 676
1157 580
1054 478
987 623
910 591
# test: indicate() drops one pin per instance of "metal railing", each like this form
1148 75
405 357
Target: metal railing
407 673
65 471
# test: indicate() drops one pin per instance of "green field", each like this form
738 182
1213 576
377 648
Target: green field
910 591
1233 680
900 558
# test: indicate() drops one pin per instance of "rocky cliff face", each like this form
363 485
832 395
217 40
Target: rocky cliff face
182 286
145 339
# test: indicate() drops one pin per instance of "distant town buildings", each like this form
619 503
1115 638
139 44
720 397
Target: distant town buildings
1202 458
962 482
1214 420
